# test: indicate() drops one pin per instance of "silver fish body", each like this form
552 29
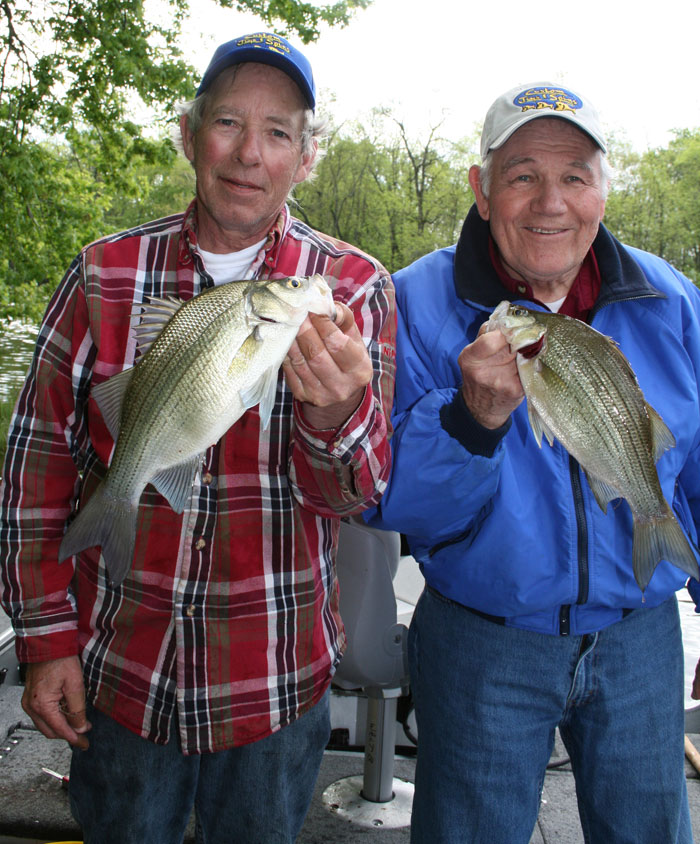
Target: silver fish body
206 361
581 389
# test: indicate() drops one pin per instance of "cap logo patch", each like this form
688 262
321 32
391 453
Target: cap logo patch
557 99
264 40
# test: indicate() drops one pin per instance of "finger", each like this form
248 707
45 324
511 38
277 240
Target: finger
299 377
73 707
38 721
329 349
56 724
490 344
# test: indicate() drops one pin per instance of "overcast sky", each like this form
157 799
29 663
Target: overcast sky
637 63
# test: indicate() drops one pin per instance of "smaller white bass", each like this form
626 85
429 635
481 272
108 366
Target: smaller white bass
581 389
206 361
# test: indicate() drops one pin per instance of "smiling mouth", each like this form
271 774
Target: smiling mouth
242 185
536 230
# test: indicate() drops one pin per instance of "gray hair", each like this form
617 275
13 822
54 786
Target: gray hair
314 127
607 173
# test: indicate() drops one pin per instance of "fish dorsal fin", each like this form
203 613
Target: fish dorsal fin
176 483
109 396
264 393
154 317
539 426
602 491
661 436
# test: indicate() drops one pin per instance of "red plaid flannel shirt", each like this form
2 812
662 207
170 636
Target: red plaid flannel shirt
230 614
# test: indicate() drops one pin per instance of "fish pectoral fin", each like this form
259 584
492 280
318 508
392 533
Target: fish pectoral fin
661 437
176 482
109 396
262 392
602 491
539 426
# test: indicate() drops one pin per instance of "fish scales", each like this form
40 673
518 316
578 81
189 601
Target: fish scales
582 390
189 345
628 430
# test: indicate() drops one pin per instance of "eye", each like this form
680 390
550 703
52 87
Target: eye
294 282
519 312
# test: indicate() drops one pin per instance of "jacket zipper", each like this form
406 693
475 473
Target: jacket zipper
581 547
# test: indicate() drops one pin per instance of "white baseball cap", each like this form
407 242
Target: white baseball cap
543 99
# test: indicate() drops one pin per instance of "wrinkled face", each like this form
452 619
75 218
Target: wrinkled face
545 202
246 155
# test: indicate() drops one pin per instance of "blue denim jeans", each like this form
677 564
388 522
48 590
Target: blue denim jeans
489 699
126 790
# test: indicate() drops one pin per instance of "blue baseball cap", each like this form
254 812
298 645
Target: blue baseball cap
265 48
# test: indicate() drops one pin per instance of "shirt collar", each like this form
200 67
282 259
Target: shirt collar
187 251
581 297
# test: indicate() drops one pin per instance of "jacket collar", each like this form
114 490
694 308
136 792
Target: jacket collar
477 281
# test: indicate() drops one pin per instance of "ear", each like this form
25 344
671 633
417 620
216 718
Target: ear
482 203
306 163
187 137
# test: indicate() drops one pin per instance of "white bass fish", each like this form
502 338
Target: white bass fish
581 389
206 361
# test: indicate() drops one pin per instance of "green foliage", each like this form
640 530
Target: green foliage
294 16
654 201
73 163
395 196
6 409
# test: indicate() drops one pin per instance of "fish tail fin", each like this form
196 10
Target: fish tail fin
661 538
108 522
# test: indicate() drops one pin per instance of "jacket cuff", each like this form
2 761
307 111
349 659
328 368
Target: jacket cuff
457 420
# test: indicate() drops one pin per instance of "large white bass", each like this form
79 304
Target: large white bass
206 361
581 389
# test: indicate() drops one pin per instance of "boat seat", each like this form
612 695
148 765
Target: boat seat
375 661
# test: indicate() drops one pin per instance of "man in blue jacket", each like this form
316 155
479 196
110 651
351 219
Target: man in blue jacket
531 618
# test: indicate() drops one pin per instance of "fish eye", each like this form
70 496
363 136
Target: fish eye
294 282
519 312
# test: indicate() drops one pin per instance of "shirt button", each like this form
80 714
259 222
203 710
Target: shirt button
207 479
522 288
190 611
200 543
338 442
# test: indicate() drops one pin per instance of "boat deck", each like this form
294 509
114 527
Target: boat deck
34 806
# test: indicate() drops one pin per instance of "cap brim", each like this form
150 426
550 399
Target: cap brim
527 117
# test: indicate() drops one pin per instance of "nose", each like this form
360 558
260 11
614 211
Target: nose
248 151
549 198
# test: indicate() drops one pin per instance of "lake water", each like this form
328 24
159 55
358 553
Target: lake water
17 341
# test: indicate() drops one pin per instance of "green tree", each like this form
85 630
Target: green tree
396 196
653 204
72 74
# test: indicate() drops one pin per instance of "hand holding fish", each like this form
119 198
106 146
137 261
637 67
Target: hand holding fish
490 382
328 368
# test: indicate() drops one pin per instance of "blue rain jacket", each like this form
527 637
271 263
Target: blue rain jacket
497 523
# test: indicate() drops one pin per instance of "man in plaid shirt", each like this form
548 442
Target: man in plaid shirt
203 679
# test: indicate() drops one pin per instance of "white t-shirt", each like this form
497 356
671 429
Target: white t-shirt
556 304
230 266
